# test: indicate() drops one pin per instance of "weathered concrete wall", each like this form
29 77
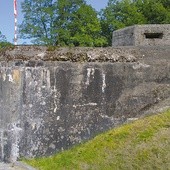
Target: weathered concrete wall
124 37
142 35
48 105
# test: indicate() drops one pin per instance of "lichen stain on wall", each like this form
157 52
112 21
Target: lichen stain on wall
16 75
13 76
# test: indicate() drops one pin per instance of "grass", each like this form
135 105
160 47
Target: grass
141 145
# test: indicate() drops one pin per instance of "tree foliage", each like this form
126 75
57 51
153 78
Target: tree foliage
61 22
81 27
121 13
38 23
155 11
65 10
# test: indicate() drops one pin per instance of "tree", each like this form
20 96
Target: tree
65 10
77 24
80 26
122 13
155 11
38 23
61 22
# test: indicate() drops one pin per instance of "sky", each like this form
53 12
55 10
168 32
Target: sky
7 16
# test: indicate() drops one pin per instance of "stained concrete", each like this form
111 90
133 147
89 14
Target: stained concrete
52 100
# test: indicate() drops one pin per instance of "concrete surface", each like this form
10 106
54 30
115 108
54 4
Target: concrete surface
52 100
16 166
142 35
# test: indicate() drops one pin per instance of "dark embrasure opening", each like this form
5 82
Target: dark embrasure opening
153 35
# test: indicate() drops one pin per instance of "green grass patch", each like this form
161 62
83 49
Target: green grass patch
143 144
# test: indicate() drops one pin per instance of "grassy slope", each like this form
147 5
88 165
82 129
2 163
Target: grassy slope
141 145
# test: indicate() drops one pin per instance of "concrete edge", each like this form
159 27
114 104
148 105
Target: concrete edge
24 165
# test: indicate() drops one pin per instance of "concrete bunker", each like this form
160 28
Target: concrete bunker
52 100
142 35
